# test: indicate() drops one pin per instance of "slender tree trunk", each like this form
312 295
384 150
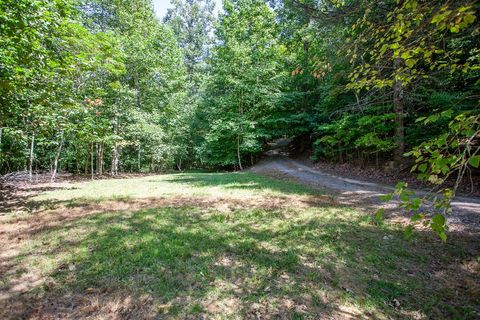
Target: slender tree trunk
30 162
398 107
240 111
100 164
97 159
1 131
99 149
358 99
91 160
114 166
139 157
86 164
238 153
119 155
101 158
114 169
179 164
57 157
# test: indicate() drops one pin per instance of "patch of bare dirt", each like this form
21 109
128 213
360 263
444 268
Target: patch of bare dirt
91 304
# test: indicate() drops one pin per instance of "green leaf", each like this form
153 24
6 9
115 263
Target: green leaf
410 62
408 233
401 185
474 161
422 167
386 197
379 215
443 236
416 203
417 216
438 220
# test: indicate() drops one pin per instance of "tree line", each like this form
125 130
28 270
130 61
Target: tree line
96 86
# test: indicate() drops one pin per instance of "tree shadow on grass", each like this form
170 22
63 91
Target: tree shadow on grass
242 181
12 199
193 262
227 181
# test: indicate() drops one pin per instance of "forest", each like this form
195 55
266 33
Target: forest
91 87
101 89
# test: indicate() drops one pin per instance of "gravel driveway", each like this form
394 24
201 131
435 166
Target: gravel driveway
466 210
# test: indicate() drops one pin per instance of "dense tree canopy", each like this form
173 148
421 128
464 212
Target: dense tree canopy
98 86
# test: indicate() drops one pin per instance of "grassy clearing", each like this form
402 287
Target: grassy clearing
238 185
241 253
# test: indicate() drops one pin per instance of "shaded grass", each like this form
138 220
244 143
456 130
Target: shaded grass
234 262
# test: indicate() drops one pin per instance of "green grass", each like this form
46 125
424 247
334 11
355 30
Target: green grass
185 184
243 259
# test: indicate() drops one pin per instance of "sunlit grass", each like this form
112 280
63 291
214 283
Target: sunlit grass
187 184
236 257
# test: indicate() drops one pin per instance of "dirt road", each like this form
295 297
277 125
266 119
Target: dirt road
466 210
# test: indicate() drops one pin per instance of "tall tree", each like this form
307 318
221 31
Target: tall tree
192 21
244 84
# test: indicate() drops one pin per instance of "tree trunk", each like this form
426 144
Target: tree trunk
240 111
91 160
30 162
238 153
139 158
179 164
114 166
398 108
119 155
99 149
57 157
1 131
100 160
114 169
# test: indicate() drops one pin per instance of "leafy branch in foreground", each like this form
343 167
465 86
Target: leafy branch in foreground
455 152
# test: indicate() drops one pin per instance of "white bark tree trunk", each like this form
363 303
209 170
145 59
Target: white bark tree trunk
238 153
30 162
57 157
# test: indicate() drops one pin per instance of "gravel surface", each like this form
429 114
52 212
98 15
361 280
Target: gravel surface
466 210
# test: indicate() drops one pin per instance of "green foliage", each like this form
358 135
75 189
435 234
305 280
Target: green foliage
370 134
453 152
85 76
243 84
192 23
98 85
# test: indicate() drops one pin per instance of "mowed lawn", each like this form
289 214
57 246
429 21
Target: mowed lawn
223 246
